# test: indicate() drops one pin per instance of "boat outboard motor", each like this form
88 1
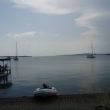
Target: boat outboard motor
45 85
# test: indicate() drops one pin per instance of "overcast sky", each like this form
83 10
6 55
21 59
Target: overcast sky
54 27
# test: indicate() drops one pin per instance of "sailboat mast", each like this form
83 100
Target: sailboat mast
16 49
92 48
16 56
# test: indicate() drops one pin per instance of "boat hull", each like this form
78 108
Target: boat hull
45 92
91 56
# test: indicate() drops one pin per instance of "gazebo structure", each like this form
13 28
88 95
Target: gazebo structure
5 72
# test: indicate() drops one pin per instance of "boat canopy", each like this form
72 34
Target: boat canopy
5 59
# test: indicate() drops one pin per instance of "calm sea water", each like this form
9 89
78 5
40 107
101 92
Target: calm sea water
69 74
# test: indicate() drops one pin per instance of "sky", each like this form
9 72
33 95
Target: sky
54 27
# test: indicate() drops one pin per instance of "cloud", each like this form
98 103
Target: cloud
32 35
22 34
88 9
45 6
61 6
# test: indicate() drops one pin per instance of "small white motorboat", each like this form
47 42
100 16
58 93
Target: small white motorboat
45 91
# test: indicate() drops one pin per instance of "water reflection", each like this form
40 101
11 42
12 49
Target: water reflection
89 77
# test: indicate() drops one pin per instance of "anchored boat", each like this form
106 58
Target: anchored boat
91 55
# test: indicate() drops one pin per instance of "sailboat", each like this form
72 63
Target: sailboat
16 57
91 55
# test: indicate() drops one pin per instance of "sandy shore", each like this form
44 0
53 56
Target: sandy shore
100 101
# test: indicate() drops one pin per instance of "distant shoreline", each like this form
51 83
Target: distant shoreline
61 55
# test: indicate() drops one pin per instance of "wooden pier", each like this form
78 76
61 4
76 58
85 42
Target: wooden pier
5 72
